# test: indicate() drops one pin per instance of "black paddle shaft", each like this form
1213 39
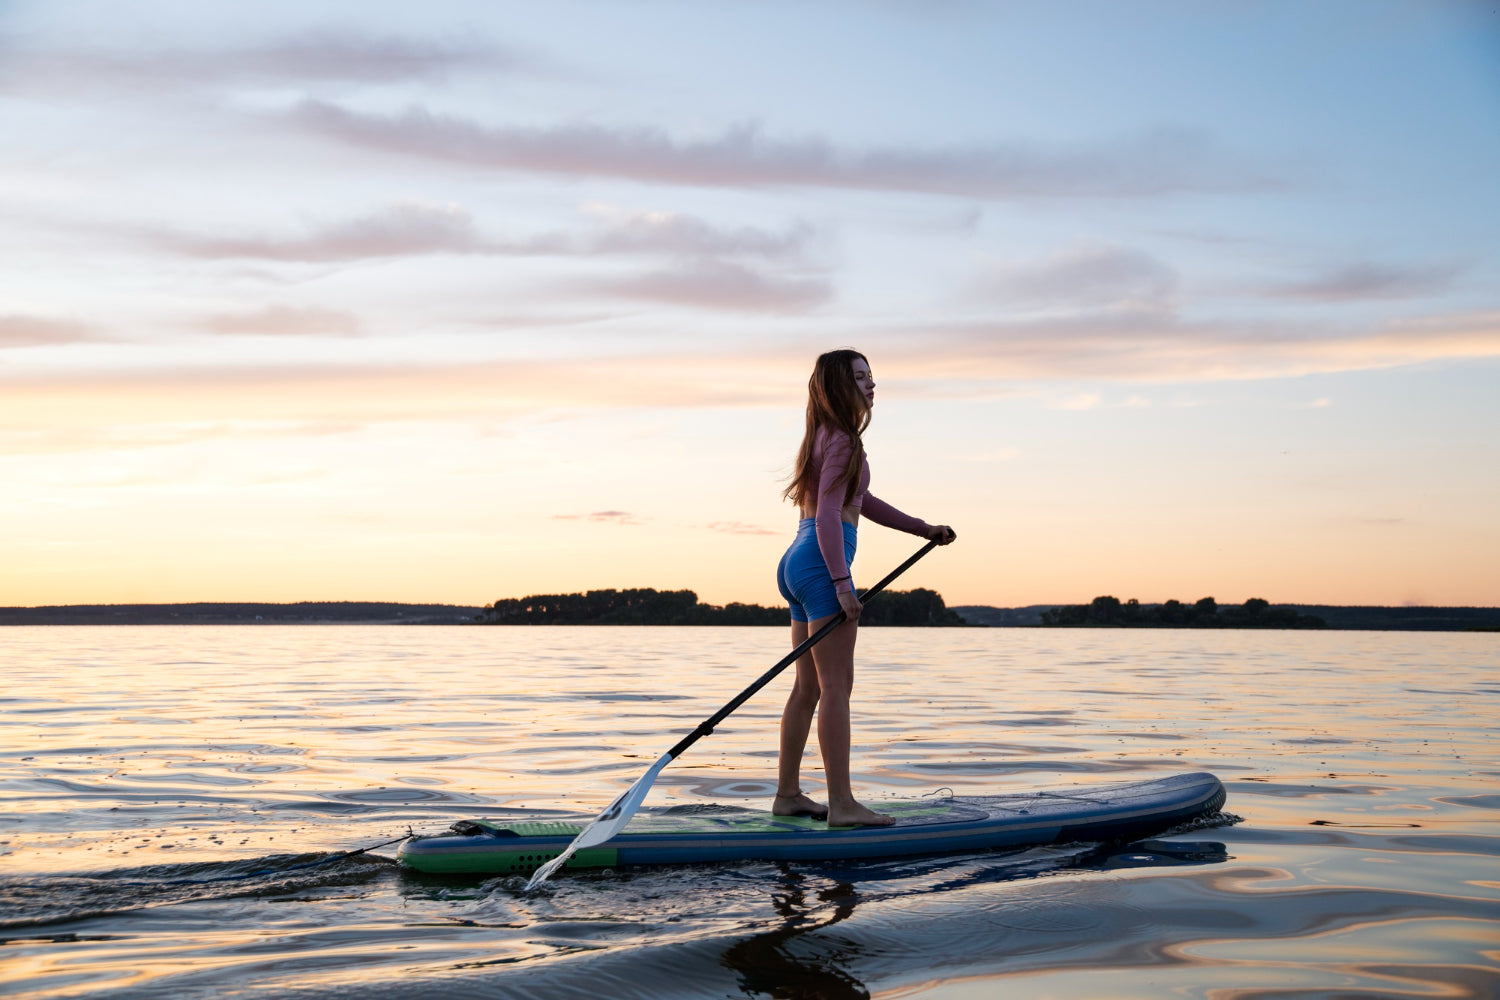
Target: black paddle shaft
707 725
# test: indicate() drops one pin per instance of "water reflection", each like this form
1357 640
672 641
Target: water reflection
404 794
769 965
799 960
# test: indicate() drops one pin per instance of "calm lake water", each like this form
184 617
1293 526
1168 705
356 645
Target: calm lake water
143 767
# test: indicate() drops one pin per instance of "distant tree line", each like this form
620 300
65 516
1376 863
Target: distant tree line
1110 612
644 606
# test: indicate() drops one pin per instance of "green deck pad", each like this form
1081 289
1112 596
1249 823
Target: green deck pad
756 821
719 820
536 829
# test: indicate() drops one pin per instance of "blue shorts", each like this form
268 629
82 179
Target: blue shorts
803 576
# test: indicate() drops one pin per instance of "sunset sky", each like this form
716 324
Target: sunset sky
460 301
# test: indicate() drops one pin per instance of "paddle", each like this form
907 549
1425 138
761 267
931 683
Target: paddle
612 820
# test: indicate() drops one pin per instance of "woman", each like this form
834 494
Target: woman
831 488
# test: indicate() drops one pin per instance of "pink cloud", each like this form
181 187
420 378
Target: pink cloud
711 284
18 330
1089 275
600 517
398 231
408 230
1365 281
319 56
739 528
1158 162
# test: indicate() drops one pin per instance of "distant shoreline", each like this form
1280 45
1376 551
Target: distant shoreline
245 613
1337 617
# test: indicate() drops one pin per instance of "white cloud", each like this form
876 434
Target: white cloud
1128 346
1081 401
287 321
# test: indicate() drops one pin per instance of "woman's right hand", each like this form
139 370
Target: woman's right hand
942 534
850 604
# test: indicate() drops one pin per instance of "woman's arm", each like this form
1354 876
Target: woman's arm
887 516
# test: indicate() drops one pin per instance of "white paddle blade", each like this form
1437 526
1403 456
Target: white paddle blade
604 826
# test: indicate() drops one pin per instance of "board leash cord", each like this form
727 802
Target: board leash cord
262 872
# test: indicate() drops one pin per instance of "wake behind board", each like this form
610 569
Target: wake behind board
923 826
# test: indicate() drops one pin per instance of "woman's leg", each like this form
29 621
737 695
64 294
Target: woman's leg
796 721
834 659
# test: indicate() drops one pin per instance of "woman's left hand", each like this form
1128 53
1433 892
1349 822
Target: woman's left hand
942 534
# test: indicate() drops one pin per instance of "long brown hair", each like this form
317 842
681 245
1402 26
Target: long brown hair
833 401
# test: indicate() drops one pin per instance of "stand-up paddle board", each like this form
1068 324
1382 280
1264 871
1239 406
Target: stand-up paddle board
934 825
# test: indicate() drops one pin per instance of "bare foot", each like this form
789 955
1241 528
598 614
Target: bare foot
857 815
798 805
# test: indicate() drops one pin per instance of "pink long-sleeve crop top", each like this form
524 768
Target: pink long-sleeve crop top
831 457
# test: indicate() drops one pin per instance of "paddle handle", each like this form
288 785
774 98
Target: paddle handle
707 725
